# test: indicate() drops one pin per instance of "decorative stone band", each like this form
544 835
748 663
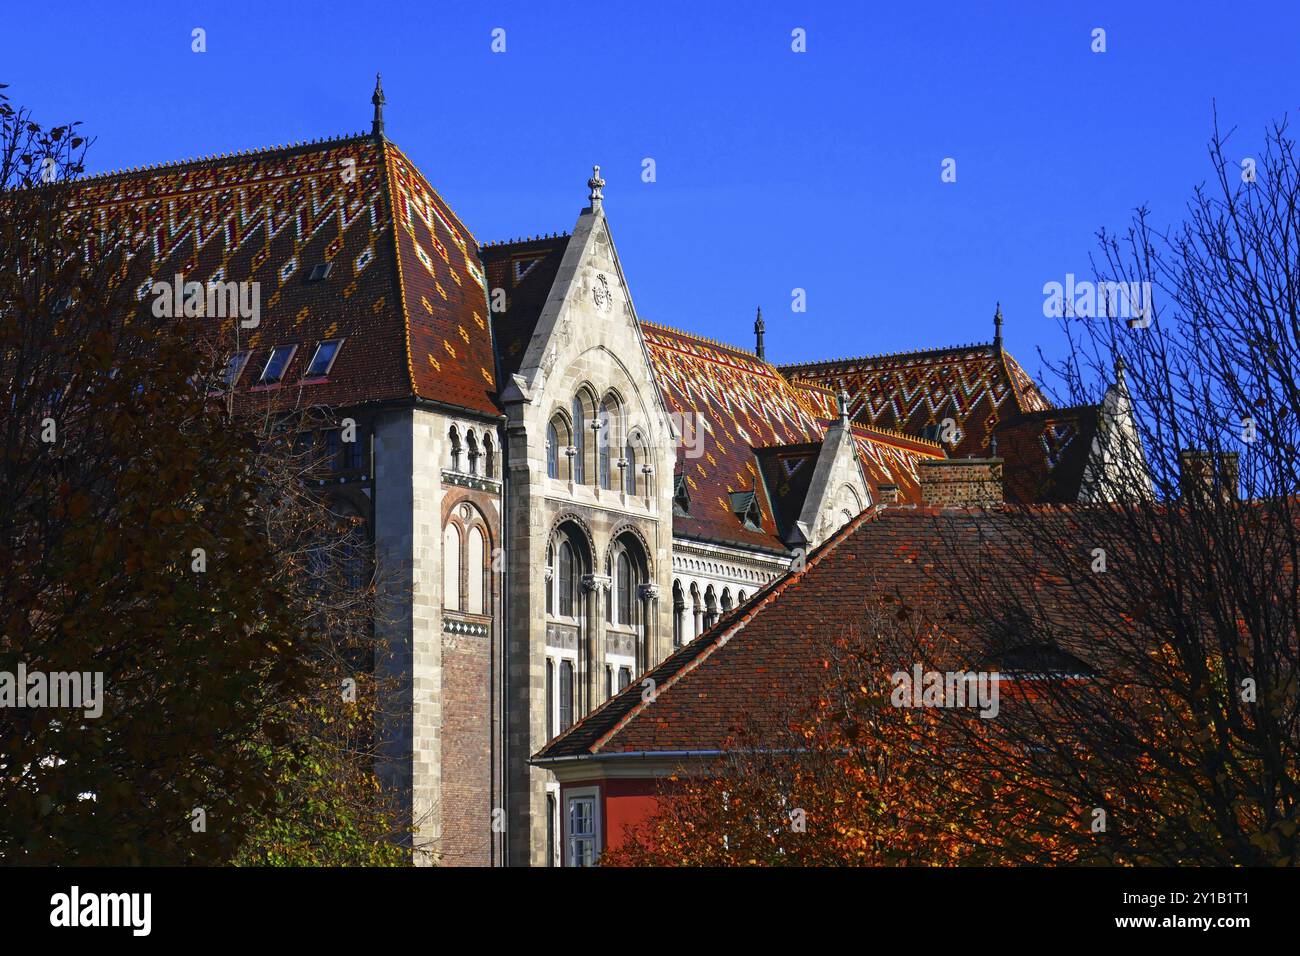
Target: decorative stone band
470 481
452 626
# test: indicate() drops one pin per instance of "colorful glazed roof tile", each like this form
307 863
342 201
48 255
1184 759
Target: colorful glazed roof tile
524 270
975 385
744 405
1046 453
403 289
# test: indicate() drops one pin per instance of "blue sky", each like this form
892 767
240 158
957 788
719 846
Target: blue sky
775 169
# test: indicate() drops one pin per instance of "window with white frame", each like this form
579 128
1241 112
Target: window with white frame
582 828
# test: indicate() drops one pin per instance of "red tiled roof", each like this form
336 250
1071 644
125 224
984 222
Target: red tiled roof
757 664
405 290
745 404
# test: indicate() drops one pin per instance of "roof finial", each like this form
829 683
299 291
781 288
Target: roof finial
377 125
844 406
759 329
997 327
595 184
1120 366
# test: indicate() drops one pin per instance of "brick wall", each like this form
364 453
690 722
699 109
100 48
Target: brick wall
959 482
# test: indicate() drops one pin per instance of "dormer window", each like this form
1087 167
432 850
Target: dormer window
320 272
277 364
323 360
744 504
681 496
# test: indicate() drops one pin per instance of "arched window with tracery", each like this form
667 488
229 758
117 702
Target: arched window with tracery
580 419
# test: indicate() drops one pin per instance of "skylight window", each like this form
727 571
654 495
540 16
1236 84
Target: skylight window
320 271
276 364
323 359
234 367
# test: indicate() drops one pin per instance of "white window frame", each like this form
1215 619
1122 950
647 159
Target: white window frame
293 351
571 796
333 358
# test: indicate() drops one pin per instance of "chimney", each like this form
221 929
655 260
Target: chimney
887 494
1212 472
961 482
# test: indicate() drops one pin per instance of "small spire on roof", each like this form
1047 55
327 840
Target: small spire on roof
997 327
844 406
759 329
595 184
377 125
1119 368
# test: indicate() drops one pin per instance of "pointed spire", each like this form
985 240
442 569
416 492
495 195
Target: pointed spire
377 125
595 197
997 327
1119 369
759 329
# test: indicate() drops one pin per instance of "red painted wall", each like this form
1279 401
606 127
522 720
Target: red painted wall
622 803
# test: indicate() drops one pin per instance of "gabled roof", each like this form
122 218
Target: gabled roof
759 664
746 405
977 385
525 270
405 289
1046 453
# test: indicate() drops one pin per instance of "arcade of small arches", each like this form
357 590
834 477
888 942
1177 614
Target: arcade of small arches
697 607
592 443
471 452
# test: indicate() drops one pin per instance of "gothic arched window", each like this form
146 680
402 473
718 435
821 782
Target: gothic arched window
579 441
568 580
626 587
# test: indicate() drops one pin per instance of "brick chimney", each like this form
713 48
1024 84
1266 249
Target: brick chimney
1212 472
961 482
887 494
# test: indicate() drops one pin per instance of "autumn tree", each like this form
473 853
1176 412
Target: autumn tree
156 535
1145 638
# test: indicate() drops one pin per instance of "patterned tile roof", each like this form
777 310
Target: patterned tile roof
976 385
525 270
404 289
1046 453
745 404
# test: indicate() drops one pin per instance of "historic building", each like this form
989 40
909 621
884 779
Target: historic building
559 491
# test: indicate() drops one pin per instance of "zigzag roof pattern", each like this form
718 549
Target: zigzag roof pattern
744 404
404 288
976 385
